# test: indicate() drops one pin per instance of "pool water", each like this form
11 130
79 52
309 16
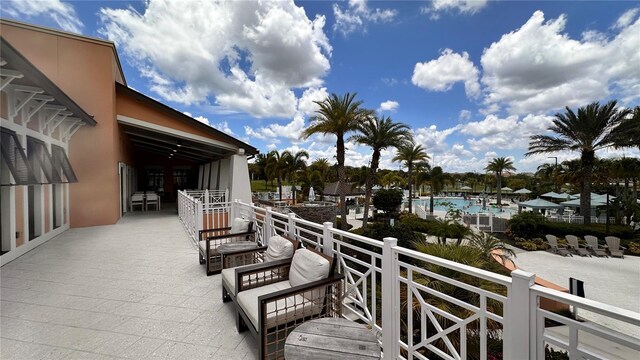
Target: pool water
471 206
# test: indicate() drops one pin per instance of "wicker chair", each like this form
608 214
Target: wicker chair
278 248
211 239
288 293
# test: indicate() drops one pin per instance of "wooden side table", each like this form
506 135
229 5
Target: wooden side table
235 246
331 338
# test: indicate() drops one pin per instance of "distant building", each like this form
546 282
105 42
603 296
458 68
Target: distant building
331 192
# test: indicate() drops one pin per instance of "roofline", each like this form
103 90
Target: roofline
31 72
67 34
249 150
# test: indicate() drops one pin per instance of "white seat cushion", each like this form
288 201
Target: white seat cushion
239 225
307 266
228 277
279 249
284 311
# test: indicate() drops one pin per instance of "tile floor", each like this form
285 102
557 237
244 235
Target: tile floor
133 290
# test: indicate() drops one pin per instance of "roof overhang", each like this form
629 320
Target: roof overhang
18 72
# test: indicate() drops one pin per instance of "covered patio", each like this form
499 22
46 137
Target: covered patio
131 290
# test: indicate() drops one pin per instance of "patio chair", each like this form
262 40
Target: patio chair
296 291
137 199
211 239
154 200
575 245
613 243
560 250
592 243
278 248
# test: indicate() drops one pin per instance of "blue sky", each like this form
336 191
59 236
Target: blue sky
473 79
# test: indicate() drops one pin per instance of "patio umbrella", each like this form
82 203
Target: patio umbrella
312 194
465 188
522 191
539 204
506 188
554 195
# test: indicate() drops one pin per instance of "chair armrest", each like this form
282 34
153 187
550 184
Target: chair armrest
300 288
622 247
263 274
230 235
245 251
216 229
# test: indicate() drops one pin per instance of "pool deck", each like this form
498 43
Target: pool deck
132 290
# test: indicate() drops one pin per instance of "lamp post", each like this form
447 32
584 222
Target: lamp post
556 168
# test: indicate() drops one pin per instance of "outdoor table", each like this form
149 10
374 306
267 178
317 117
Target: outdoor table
234 246
331 338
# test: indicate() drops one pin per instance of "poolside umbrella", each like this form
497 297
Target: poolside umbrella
522 191
312 194
506 188
465 188
576 203
539 204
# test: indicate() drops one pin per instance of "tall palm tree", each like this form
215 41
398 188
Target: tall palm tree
278 166
323 167
410 153
420 168
592 128
338 116
437 183
295 163
499 166
379 134
629 130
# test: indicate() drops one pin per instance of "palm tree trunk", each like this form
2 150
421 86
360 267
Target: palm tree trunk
499 188
587 159
431 201
375 160
280 188
410 186
342 179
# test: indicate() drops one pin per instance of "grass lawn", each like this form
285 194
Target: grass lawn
261 185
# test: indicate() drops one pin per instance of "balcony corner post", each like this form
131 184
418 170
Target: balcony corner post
517 323
390 296
291 217
327 238
199 215
267 228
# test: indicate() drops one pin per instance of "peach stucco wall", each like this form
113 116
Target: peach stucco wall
84 71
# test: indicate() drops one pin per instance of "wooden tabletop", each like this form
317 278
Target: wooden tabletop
236 245
331 338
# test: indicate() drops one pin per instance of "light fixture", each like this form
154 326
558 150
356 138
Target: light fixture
175 150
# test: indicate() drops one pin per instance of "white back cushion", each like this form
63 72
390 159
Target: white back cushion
279 249
239 225
306 267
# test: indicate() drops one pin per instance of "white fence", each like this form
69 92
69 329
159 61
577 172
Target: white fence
202 209
424 307
577 219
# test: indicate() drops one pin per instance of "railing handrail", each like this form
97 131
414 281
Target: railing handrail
590 305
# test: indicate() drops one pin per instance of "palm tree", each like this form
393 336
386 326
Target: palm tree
499 166
410 153
294 163
278 166
491 246
420 168
391 179
594 127
629 130
437 183
338 116
379 134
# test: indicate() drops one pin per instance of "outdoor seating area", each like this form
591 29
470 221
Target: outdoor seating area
590 246
144 200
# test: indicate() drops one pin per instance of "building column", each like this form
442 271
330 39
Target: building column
239 184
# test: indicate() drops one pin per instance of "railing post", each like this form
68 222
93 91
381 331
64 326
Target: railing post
234 210
327 238
491 221
268 230
198 216
478 221
390 295
517 322
291 225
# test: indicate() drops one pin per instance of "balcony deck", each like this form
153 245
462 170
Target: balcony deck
130 290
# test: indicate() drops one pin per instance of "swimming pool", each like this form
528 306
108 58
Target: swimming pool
469 206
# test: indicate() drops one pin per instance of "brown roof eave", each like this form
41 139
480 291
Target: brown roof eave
249 150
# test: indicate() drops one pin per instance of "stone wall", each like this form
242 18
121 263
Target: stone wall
318 214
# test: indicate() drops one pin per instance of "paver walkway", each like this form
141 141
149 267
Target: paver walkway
132 290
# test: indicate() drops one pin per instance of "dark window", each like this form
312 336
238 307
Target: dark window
40 159
14 157
155 179
61 163
180 178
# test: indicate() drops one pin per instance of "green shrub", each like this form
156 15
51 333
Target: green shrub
406 237
599 230
388 200
633 248
417 224
528 245
526 224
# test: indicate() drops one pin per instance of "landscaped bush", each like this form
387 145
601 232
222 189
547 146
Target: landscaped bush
388 200
526 224
417 224
599 230
405 235
633 248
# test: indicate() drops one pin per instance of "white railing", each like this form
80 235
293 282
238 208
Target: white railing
577 219
424 307
202 209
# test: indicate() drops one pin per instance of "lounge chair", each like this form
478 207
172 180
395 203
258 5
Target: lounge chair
592 243
560 250
210 239
575 245
297 290
279 248
613 243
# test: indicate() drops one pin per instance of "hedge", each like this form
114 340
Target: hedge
599 230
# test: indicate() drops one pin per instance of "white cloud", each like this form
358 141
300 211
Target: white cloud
63 14
390 81
442 73
504 133
433 140
388 105
460 6
357 14
538 68
224 127
626 18
464 115
249 59
272 132
307 102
